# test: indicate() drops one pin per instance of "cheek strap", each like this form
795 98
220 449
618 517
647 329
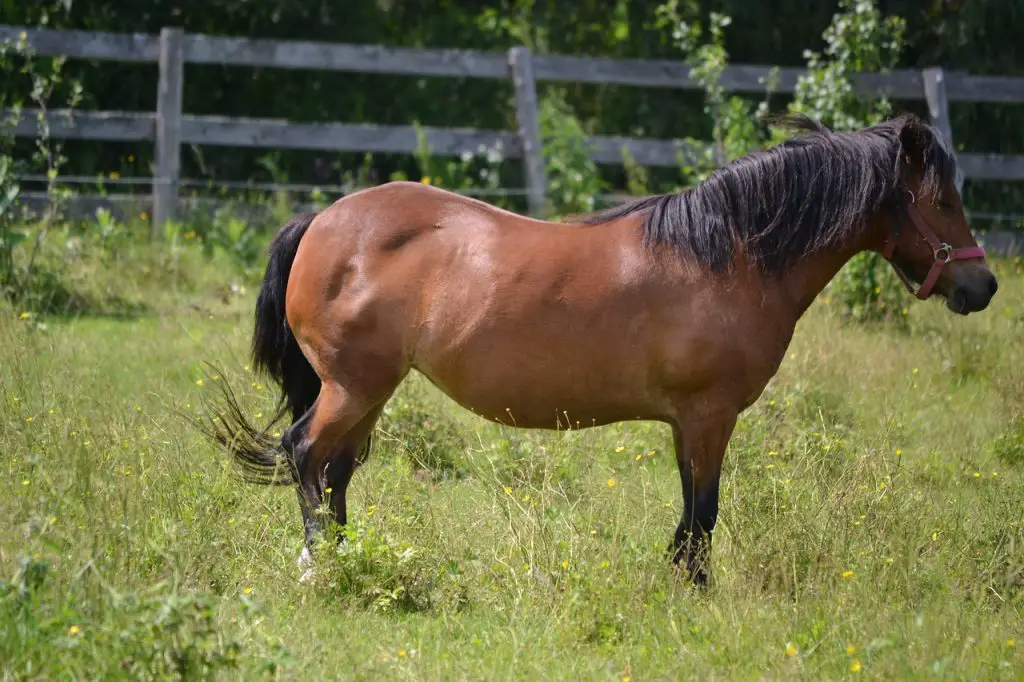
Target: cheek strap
943 252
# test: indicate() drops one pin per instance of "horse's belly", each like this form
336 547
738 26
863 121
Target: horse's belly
528 385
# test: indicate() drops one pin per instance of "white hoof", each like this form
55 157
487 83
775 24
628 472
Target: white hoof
305 559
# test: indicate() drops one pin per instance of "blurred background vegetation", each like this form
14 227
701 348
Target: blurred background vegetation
979 37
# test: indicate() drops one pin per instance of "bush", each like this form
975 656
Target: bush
859 39
574 180
1009 447
160 634
371 571
867 289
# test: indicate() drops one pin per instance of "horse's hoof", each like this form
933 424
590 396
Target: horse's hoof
305 560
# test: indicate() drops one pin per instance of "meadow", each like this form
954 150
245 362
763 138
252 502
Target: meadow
871 519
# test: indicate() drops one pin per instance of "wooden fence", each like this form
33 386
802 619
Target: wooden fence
169 127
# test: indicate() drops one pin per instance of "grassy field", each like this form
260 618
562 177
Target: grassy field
871 521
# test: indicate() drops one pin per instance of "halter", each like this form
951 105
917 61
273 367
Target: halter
944 253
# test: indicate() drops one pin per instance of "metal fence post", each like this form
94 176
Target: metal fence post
168 127
520 61
938 103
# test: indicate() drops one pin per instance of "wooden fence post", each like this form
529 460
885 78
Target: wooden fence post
938 103
168 127
520 61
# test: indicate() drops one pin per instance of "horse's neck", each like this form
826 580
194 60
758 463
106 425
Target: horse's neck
802 283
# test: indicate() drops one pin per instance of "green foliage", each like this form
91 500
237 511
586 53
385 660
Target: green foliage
472 172
866 289
431 443
736 130
859 39
160 634
961 35
242 239
371 571
20 279
573 177
1009 447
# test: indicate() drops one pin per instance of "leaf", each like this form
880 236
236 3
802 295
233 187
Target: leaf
11 238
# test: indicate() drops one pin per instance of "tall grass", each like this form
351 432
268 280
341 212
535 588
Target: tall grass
871 520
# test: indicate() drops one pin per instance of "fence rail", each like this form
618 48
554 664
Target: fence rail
169 127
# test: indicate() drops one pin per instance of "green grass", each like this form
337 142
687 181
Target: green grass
871 503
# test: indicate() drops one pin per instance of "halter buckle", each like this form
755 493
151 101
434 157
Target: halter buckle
944 253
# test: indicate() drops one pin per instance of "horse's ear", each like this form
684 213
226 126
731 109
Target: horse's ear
913 139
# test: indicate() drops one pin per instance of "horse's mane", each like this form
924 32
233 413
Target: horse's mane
812 192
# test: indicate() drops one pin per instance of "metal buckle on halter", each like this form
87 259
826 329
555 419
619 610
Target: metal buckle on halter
945 249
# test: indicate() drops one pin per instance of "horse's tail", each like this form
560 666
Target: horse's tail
276 353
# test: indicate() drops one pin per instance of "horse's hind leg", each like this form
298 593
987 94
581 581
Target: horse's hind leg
327 445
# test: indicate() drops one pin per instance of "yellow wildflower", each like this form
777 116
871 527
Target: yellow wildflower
199 382
565 565
25 315
1010 643
855 666
611 482
247 590
401 653
791 649
851 649
847 574
74 630
620 448
425 179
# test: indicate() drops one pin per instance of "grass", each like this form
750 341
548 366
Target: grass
871 521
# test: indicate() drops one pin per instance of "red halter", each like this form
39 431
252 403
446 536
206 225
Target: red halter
944 253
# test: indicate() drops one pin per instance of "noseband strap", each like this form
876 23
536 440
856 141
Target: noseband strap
944 253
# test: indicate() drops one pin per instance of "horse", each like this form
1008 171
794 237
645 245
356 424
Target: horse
675 308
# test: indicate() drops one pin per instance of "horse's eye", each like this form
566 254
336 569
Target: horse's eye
944 205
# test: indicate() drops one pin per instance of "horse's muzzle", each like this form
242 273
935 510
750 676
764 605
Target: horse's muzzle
973 297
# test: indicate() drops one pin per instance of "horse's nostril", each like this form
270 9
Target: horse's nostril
993 286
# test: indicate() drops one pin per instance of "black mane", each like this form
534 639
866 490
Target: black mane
810 193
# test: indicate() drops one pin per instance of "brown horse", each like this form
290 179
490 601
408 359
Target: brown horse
675 308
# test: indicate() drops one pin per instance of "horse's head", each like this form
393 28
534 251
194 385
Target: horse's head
929 241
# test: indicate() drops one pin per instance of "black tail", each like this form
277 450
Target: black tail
276 353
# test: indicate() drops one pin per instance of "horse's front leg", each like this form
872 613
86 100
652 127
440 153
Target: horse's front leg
701 437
